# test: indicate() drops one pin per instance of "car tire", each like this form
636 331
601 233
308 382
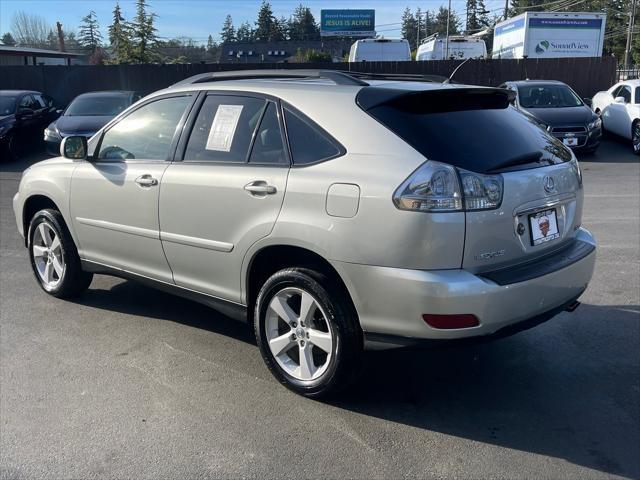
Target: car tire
323 351
54 257
635 137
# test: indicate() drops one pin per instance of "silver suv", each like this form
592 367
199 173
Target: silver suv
331 212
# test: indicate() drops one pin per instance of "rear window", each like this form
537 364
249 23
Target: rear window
472 129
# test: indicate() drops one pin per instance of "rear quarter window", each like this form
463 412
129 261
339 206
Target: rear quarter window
308 142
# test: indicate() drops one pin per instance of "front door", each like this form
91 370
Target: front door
226 193
114 197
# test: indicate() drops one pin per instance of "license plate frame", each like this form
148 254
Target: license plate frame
537 226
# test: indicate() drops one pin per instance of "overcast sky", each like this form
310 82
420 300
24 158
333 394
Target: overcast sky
199 18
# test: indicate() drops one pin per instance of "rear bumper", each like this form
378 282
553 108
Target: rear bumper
391 301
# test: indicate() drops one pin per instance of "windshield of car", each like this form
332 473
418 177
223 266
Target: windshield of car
7 105
92 105
548 96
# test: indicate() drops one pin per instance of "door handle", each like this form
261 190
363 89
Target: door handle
260 187
146 181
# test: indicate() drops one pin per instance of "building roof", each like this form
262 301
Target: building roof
35 52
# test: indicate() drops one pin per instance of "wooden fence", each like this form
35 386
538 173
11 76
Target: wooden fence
585 75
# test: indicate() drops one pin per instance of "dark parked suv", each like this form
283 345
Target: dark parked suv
23 115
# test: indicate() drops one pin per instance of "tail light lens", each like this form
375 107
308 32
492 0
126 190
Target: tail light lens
434 187
438 187
481 192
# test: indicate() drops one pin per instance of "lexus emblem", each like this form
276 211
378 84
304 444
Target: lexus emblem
549 184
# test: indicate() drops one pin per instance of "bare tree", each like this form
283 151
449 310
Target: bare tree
30 30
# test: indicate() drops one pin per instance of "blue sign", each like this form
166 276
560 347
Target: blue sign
347 23
509 27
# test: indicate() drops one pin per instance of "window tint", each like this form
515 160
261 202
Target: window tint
28 102
94 105
637 95
434 124
267 146
146 133
548 96
625 92
308 143
224 128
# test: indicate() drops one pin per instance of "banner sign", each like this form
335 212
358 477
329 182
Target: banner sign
347 23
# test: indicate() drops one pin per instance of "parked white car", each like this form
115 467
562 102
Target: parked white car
619 108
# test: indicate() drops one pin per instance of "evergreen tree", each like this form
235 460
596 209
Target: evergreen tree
89 34
211 45
477 16
409 28
143 34
265 24
228 33
280 29
245 33
7 39
439 24
120 38
302 25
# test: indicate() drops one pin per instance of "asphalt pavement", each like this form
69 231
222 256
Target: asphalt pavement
129 382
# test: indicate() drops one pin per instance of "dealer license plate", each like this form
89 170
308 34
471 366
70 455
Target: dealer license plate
543 226
570 142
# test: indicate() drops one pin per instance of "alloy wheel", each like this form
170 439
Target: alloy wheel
298 334
48 255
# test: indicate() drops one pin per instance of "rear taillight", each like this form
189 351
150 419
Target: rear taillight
436 187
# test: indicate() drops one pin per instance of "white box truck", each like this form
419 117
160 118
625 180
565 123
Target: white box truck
380 50
460 47
550 35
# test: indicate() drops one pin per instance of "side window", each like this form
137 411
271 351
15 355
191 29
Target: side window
626 93
28 102
637 95
308 143
224 128
40 102
146 133
616 91
46 100
267 146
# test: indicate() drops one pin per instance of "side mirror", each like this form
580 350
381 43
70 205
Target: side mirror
618 100
24 113
74 148
587 102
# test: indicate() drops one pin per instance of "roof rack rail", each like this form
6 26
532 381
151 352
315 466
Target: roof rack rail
336 76
411 77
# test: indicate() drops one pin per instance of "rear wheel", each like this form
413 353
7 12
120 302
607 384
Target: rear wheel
307 332
635 137
54 258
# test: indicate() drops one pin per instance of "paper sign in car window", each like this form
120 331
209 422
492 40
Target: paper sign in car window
223 127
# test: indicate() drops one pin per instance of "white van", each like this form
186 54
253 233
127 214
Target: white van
380 50
460 48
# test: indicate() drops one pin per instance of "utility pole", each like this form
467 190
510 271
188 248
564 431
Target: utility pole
60 37
506 9
632 21
448 20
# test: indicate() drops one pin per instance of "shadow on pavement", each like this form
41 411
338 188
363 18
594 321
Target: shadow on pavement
614 149
550 391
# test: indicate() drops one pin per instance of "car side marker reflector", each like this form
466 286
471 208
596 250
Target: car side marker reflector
464 320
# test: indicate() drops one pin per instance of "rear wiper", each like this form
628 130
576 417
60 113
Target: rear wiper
533 157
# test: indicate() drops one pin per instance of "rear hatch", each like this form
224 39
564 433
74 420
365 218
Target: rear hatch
476 130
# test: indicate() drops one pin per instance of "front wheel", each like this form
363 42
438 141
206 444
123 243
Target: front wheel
307 332
635 137
54 258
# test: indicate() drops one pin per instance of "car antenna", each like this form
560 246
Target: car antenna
448 80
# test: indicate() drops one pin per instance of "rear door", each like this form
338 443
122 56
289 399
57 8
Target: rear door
225 193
